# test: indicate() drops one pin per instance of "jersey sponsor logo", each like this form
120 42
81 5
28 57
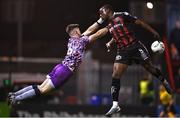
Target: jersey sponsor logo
118 57
116 25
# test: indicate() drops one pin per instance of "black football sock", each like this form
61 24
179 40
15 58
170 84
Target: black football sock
157 73
115 87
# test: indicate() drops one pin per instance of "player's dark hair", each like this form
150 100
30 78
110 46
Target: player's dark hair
107 6
71 27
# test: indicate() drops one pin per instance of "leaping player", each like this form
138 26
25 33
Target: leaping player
129 49
61 72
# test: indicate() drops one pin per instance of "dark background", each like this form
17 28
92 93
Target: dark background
44 23
40 24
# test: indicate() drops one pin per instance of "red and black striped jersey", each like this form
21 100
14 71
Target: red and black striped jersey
120 27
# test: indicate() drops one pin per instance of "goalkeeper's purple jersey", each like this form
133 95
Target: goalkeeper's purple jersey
75 52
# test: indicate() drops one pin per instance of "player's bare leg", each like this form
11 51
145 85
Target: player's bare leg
118 70
58 76
46 86
157 73
45 82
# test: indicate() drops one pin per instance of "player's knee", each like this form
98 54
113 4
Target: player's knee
41 89
45 89
118 70
116 75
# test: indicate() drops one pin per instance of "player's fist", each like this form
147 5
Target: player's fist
157 47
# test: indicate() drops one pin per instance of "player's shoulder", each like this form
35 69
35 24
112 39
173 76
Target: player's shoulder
85 38
121 13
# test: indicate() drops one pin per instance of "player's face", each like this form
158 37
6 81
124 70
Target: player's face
77 31
103 13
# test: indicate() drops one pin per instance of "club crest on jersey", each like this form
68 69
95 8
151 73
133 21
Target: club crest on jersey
141 51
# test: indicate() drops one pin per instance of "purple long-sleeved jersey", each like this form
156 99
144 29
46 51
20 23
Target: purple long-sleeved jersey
76 49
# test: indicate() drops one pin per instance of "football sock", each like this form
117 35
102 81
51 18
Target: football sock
28 94
23 90
115 87
158 74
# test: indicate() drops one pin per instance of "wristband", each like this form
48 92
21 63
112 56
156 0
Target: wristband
100 21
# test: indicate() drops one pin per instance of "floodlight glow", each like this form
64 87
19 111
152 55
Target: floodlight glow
149 5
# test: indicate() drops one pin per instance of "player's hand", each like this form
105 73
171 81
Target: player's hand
108 45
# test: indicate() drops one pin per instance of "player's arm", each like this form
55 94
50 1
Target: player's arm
93 27
133 19
98 34
149 28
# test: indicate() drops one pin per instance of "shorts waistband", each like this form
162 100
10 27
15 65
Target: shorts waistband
130 44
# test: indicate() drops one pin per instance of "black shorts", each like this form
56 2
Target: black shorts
134 53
